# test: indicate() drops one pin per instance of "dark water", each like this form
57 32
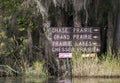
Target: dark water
57 80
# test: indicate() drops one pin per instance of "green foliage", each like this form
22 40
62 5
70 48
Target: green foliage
36 70
3 37
15 19
9 7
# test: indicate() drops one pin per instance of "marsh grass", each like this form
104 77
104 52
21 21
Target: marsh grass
36 70
107 66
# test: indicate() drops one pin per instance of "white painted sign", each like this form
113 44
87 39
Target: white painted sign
65 55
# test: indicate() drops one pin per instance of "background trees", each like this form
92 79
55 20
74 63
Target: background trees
25 24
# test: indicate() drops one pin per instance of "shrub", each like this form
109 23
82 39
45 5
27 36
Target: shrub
108 65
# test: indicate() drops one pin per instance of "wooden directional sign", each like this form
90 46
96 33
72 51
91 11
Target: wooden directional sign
68 39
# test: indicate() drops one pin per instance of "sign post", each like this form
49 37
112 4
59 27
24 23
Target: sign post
65 40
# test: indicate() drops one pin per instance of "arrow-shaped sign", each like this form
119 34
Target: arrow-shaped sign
97 49
95 37
95 43
96 30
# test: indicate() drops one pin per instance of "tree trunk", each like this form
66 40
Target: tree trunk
117 36
110 31
77 21
30 44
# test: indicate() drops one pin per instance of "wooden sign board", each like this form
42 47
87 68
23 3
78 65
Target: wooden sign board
68 39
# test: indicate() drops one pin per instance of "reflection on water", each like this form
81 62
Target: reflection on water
21 80
58 80
96 80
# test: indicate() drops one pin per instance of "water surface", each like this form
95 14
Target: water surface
58 80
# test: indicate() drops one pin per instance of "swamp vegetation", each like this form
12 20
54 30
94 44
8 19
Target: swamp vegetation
25 45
